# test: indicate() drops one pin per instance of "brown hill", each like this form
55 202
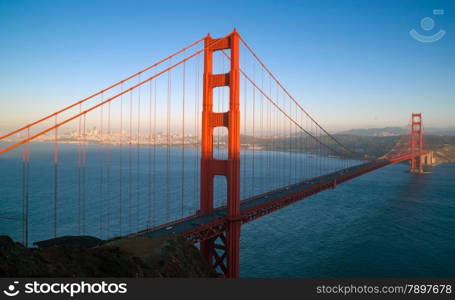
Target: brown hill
125 257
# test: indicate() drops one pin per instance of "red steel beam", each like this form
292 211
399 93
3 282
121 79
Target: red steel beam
213 229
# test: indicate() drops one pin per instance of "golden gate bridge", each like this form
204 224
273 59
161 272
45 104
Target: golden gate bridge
196 144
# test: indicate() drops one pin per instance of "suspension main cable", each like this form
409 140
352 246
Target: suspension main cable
102 91
292 98
286 114
4 150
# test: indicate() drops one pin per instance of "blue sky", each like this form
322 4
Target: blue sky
349 63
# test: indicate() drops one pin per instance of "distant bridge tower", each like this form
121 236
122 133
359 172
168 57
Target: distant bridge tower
222 251
417 143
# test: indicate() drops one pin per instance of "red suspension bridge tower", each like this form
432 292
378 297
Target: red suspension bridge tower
417 143
229 261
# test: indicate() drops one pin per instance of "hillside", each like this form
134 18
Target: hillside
386 131
369 147
445 154
443 146
124 257
391 131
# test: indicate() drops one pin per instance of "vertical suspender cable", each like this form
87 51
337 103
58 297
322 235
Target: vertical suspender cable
101 164
270 138
55 177
253 191
296 148
25 193
149 184
138 155
245 115
108 176
183 138
120 200
278 144
27 183
290 147
262 133
168 148
79 167
130 171
84 171
154 155
196 128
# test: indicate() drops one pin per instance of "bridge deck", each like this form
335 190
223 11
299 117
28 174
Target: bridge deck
202 227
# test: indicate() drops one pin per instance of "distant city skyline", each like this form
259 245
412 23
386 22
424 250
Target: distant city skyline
350 64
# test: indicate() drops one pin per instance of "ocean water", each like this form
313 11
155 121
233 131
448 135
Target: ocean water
388 223
385 223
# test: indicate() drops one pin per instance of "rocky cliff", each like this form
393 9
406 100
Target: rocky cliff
125 257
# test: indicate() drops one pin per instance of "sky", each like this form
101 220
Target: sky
351 64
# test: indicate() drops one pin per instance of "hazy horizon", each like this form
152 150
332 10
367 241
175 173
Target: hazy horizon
350 64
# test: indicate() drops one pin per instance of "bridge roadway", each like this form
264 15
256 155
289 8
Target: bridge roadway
202 227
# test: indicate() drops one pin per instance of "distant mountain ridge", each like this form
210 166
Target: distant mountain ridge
386 131
393 131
